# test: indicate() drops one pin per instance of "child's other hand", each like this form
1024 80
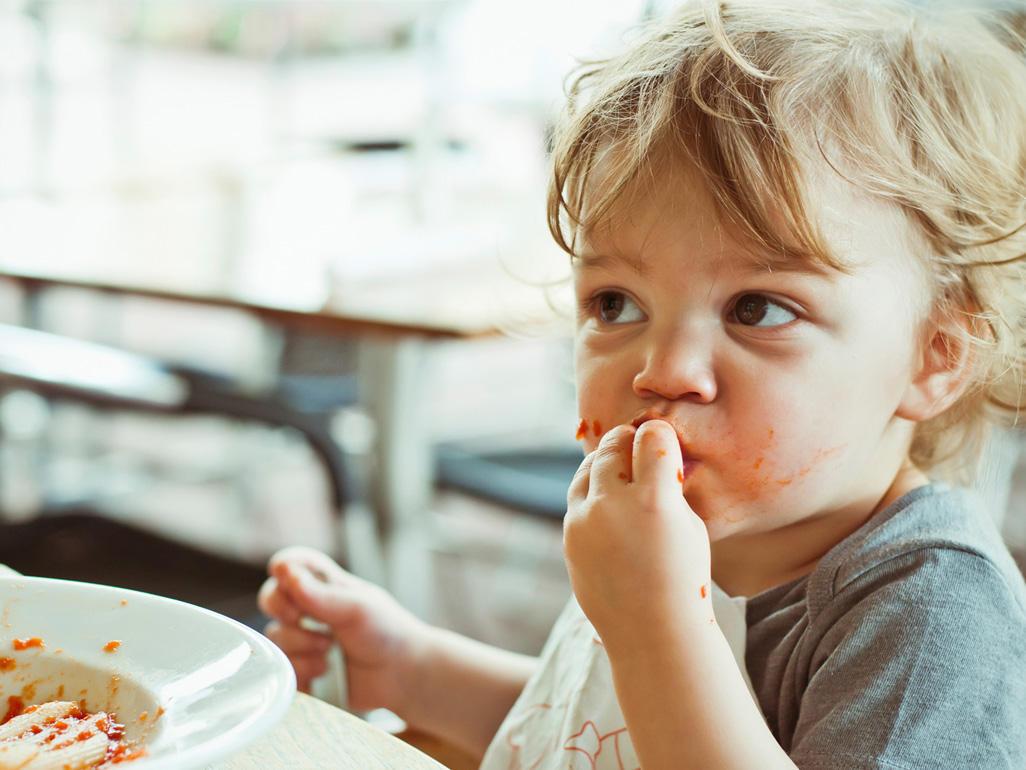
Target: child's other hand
637 555
380 639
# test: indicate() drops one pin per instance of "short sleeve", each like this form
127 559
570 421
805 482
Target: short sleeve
922 665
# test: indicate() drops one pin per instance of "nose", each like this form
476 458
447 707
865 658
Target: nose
678 367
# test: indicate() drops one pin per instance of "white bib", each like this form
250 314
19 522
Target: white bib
567 717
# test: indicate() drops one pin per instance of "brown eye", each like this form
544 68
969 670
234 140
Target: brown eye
759 310
751 309
615 308
610 305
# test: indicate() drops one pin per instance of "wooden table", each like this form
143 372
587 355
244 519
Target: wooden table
315 735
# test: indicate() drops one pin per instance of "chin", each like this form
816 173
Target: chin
718 530
720 524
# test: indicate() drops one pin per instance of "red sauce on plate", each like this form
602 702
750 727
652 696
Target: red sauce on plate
78 725
15 706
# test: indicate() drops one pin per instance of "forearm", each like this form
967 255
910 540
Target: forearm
687 706
462 689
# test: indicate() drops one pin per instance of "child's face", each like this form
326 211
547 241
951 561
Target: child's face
782 385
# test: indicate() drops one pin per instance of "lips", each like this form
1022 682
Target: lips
689 467
690 462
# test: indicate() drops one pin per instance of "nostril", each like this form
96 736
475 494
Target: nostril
675 379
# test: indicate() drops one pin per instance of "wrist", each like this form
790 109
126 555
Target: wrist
411 681
667 636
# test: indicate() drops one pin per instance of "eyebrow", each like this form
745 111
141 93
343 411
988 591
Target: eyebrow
754 265
606 261
749 265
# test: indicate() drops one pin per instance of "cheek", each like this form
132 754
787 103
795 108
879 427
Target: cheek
778 455
600 398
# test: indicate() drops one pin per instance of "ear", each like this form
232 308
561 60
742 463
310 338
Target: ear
943 370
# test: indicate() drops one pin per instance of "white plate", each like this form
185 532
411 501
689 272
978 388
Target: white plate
220 685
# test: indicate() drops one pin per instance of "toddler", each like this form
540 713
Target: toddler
797 234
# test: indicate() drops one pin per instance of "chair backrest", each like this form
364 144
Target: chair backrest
57 365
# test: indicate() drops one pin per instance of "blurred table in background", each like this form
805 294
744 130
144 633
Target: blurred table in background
392 320
354 170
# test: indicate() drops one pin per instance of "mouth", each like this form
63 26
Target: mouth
690 462
689 467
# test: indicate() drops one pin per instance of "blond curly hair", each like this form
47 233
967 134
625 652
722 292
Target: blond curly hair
923 107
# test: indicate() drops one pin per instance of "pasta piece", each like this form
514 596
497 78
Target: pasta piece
38 715
59 735
14 756
75 753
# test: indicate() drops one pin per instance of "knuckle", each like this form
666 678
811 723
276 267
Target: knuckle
607 450
650 502
582 469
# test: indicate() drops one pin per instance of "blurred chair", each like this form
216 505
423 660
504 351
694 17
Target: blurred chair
532 480
63 369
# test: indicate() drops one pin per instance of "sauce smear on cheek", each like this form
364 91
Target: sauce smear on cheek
582 429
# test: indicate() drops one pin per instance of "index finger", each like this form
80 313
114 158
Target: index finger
274 602
317 562
657 456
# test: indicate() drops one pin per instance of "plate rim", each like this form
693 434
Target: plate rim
283 677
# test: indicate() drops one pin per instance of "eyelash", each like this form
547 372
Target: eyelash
732 314
591 307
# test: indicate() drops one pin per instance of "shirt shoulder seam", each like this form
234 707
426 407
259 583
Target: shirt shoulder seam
944 546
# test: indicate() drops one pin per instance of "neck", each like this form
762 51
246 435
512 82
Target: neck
745 565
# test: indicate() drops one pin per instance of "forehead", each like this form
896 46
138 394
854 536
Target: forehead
739 263
672 201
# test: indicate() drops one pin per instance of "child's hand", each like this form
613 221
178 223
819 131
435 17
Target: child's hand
637 555
379 638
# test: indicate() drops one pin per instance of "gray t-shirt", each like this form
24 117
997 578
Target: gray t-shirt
904 648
